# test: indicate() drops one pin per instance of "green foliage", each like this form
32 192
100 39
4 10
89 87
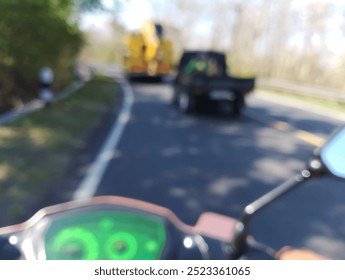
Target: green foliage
35 33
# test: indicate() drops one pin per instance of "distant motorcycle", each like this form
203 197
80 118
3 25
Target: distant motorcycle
117 228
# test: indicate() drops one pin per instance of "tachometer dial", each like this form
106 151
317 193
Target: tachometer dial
121 246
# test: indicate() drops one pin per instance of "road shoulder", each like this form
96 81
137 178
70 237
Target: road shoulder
299 104
23 195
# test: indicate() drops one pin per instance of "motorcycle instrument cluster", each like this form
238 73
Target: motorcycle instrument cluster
99 235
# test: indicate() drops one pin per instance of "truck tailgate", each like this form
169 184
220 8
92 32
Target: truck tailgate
240 85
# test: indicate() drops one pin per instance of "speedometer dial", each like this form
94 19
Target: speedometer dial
73 243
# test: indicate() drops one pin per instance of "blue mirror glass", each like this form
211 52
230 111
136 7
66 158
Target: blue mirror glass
333 154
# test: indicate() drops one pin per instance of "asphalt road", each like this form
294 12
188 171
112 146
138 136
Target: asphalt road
211 162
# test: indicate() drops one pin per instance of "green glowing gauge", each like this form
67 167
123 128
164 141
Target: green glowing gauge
121 246
74 243
105 235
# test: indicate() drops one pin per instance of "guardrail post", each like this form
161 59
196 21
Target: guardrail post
46 78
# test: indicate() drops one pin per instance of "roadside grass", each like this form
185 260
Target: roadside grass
36 148
320 102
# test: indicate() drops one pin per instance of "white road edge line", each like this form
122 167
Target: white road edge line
89 184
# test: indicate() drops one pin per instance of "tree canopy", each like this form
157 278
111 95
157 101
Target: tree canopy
36 33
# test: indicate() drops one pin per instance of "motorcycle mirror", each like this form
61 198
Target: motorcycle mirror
332 154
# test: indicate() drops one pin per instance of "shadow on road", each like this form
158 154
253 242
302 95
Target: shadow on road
193 164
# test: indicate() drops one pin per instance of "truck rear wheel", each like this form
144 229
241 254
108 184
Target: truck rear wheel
175 96
238 106
185 102
236 110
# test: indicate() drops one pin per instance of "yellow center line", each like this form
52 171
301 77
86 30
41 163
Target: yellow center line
310 138
305 136
283 126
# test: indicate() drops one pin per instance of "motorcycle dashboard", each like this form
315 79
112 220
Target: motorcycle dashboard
97 233
105 235
107 228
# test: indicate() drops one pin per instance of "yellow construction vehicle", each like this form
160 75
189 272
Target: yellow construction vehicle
148 52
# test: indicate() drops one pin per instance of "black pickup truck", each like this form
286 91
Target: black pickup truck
202 80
